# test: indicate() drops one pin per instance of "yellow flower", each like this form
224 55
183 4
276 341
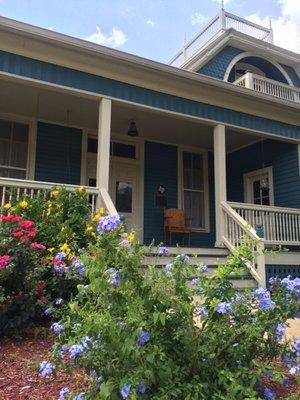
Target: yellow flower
82 190
96 218
23 204
51 250
65 248
49 209
89 228
102 211
131 236
7 206
55 193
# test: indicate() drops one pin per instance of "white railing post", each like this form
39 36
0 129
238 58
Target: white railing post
249 80
220 180
222 18
104 128
260 261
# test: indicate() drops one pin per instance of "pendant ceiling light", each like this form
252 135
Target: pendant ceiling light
132 130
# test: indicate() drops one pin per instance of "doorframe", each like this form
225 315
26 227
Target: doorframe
248 195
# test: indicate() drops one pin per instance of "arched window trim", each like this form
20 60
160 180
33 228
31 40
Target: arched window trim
249 54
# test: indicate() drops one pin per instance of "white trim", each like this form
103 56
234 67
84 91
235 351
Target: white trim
195 150
251 54
211 122
248 195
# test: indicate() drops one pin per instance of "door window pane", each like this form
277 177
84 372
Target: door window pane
124 197
194 208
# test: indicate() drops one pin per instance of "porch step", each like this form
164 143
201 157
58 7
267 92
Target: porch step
212 257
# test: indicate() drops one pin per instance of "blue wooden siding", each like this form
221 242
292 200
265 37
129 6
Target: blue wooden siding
58 154
161 168
217 66
39 70
283 157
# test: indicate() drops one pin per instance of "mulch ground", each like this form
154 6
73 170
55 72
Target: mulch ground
19 380
19 360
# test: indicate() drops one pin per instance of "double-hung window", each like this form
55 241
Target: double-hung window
194 196
13 149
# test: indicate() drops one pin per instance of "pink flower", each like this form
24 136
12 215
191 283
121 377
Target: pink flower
37 246
10 218
4 260
17 233
27 224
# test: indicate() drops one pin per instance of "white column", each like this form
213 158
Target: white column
220 179
104 125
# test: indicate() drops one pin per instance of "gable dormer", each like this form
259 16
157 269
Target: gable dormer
241 52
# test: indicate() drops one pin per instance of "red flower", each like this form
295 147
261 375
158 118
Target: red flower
31 234
27 224
4 260
10 218
17 233
41 285
42 299
37 246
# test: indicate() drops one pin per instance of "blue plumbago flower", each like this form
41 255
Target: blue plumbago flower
269 395
64 348
114 276
59 256
46 369
63 393
75 350
80 396
296 347
48 311
201 312
195 281
143 339
86 341
58 302
56 328
204 268
280 331
290 284
238 298
168 268
224 308
141 389
162 251
78 266
110 223
61 268
264 299
294 370
125 391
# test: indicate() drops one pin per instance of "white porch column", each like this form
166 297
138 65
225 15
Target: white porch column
102 177
220 179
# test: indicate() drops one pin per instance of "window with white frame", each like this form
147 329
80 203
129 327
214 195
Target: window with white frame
13 149
194 189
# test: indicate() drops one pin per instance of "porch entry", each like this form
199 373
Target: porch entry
259 187
123 178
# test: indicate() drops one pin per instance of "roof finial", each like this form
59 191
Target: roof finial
222 5
270 22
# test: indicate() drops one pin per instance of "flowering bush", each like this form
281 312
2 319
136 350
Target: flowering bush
175 332
38 266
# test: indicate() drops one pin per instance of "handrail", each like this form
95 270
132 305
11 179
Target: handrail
249 206
107 202
235 228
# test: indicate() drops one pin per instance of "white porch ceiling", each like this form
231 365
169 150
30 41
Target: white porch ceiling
51 106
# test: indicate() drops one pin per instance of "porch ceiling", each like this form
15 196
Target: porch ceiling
49 105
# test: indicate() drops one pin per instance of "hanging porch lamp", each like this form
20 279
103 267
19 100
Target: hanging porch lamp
132 130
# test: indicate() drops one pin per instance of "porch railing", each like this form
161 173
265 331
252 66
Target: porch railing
235 229
219 23
269 86
274 225
25 188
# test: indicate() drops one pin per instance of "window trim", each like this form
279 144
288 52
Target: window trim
204 153
248 192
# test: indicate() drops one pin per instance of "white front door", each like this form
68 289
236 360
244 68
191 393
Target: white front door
124 191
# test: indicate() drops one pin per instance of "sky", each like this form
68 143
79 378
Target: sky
155 29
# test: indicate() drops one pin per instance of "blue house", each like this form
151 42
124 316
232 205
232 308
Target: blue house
215 133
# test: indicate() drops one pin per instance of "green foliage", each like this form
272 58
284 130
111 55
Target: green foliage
220 356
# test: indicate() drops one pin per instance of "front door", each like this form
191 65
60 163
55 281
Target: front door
259 187
123 189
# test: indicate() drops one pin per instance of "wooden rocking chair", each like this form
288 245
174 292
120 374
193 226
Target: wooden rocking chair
176 222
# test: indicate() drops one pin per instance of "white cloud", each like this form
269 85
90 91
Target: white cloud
198 19
116 38
150 22
286 27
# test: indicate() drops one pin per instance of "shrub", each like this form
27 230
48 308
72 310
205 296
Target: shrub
170 333
40 240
